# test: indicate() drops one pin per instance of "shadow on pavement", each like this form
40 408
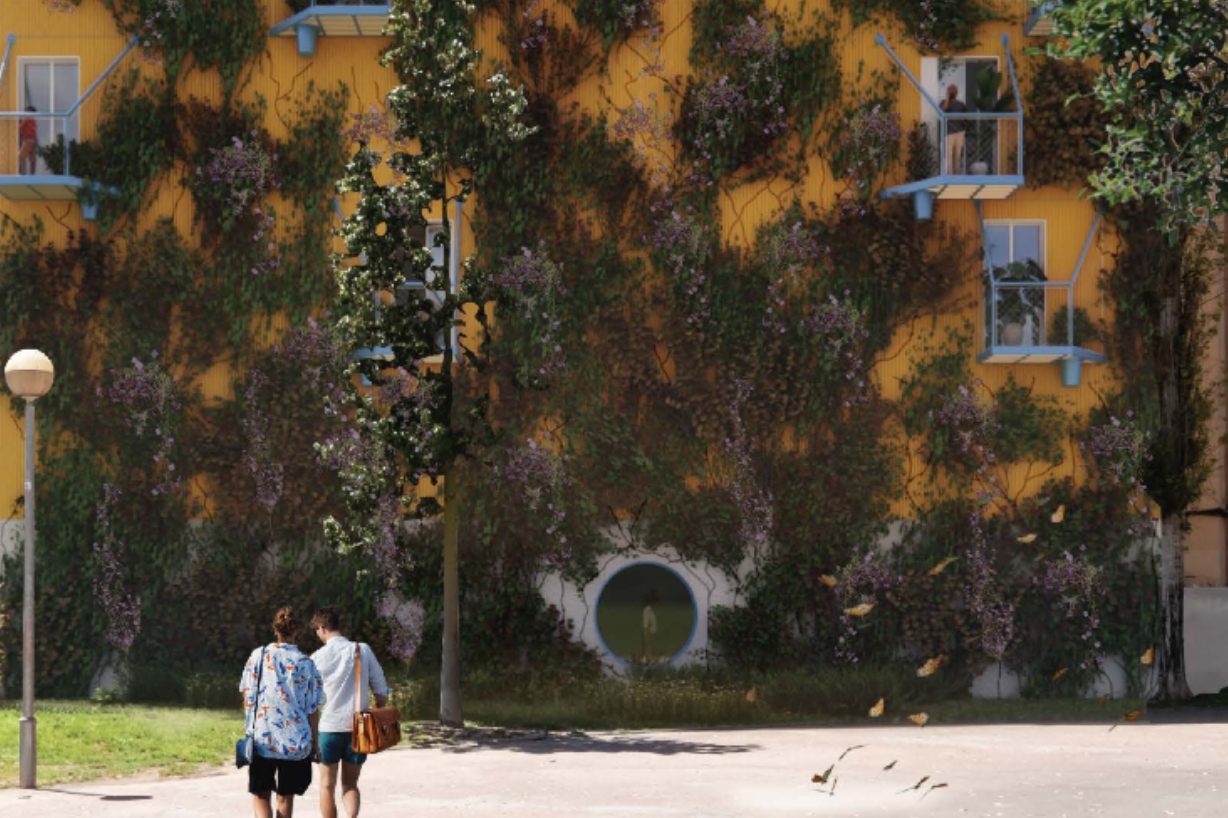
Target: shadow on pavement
561 743
99 795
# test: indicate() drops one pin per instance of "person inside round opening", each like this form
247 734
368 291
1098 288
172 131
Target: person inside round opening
336 661
282 690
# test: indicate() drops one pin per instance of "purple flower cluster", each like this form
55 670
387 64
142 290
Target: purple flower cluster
785 250
63 6
147 393
651 135
1119 448
532 282
268 474
406 636
995 615
538 26
755 504
540 477
860 580
123 608
968 420
842 327
246 172
1078 583
870 140
373 124
685 244
928 20
723 105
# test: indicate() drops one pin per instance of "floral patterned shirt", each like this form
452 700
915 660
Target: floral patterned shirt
290 691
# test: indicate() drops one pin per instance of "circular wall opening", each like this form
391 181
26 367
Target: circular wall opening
646 614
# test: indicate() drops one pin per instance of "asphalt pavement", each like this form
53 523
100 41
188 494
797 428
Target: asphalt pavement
1055 771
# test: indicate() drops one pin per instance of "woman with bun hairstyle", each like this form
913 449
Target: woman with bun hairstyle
285 722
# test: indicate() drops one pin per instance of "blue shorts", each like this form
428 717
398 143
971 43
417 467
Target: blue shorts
335 747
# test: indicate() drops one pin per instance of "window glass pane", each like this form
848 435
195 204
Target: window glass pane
1027 243
998 245
36 86
65 87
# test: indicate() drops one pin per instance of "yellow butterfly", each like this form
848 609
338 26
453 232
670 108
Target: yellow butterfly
941 566
1058 675
929 667
1100 701
1058 515
861 610
828 580
752 696
919 719
1133 715
877 709
1149 657
821 778
1027 538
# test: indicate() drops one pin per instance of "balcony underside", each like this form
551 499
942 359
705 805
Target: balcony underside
40 188
1039 23
337 21
961 187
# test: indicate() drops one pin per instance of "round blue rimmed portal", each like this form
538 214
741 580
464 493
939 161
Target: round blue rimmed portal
646 615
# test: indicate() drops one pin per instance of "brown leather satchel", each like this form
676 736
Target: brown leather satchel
376 729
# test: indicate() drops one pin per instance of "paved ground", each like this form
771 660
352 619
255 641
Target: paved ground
1009 771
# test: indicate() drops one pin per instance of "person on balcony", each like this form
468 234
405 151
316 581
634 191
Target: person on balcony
955 131
27 141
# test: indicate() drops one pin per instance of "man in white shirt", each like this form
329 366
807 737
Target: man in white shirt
335 661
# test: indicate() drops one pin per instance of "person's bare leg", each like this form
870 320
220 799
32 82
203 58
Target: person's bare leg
328 790
349 788
261 806
285 806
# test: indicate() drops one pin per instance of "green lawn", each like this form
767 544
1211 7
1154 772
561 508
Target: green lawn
80 740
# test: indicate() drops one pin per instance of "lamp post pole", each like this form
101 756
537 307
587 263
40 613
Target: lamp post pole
29 725
29 375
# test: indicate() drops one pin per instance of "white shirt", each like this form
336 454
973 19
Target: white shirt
335 661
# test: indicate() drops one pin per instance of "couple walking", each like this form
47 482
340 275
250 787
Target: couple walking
282 692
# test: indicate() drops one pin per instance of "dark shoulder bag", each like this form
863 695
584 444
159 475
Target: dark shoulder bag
376 729
245 748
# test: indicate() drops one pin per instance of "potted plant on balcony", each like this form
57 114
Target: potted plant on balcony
1020 310
989 97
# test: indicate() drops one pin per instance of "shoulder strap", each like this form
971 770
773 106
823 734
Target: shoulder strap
259 676
358 677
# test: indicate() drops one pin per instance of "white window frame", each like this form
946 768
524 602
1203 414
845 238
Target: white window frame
49 130
1011 224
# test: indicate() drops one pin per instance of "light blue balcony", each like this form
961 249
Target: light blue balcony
975 154
25 175
357 18
1038 22
1029 319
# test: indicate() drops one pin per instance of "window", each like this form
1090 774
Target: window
428 290
49 85
1015 256
969 143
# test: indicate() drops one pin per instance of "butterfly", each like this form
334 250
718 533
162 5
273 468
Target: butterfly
1058 515
1058 675
929 667
828 580
752 696
916 786
892 764
1149 657
876 710
821 778
941 566
860 610
1133 715
1027 538
919 719
937 786
1100 701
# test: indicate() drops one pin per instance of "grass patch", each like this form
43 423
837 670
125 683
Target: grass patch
78 741
690 699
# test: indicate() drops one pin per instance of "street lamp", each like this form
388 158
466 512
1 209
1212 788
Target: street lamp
29 375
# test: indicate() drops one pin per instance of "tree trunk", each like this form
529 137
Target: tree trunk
449 674
1170 683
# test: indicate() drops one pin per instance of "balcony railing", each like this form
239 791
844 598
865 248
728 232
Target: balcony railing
1030 320
355 18
977 154
41 169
